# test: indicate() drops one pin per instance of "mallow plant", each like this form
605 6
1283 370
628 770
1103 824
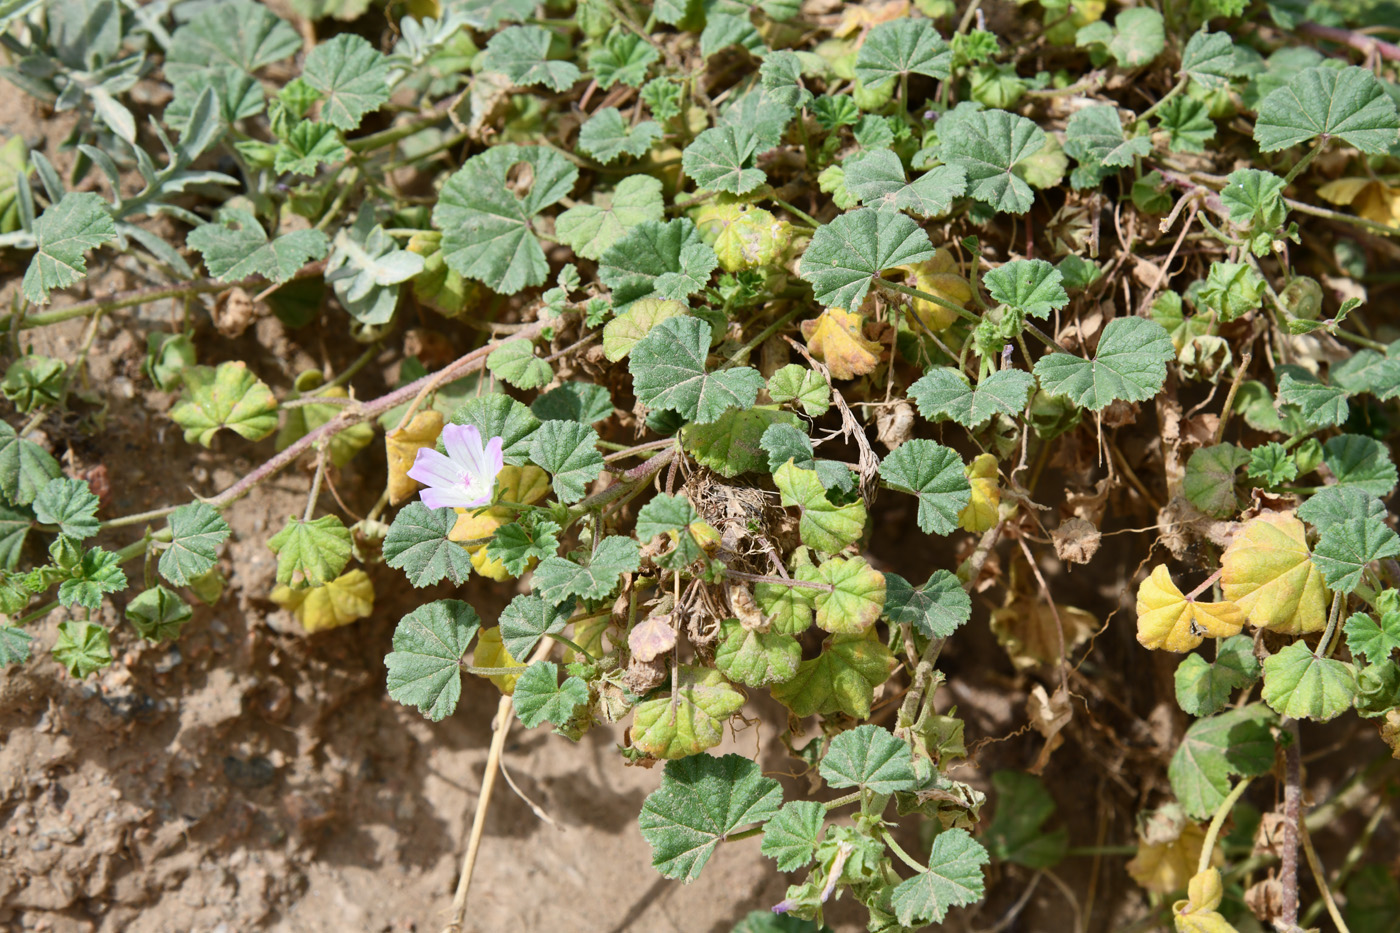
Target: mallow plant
759 350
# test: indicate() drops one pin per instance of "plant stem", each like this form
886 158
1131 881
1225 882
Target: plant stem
803 215
1218 821
926 296
1176 89
904 857
1302 164
1315 864
841 801
1292 810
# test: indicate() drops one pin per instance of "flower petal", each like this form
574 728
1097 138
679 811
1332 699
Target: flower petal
433 469
448 498
495 458
463 443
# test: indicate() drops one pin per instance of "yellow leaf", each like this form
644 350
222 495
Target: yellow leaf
1026 628
980 513
938 276
491 653
1198 913
1167 619
861 17
1268 572
401 446
837 339
1166 866
1372 198
743 236
348 597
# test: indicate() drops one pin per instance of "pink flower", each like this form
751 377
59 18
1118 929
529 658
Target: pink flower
466 476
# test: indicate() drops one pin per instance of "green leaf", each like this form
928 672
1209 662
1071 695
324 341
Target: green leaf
1209 60
14 528
96 575
591 229
158 614
841 679
1346 547
307 147
69 504
515 546
486 224
936 476
1254 199
607 137
1028 286
623 57
417 544
25 467
1017 832
1349 103
1333 504
583 402
688 721
725 29
1237 742
784 441
871 758
848 254
788 609
311 552
1368 371
429 643
988 146
790 837
1299 684
569 451
1138 37
1371 639
196 531
953 879
657 260
16 645
1130 366
1362 462
935 610
486 15
31 381
521 53
1094 137
857 597
558 578
82 647
497 415
733 444
876 176
352 76
701 801
1203 688
668 372
539 696
801 386
944 392
826 527
1273 464
1321 405
527 619
236 247
515 362
756 659
1209 482
1373 899
903 47
366 267
229 396
64 232
238 33
1187 124
723 159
